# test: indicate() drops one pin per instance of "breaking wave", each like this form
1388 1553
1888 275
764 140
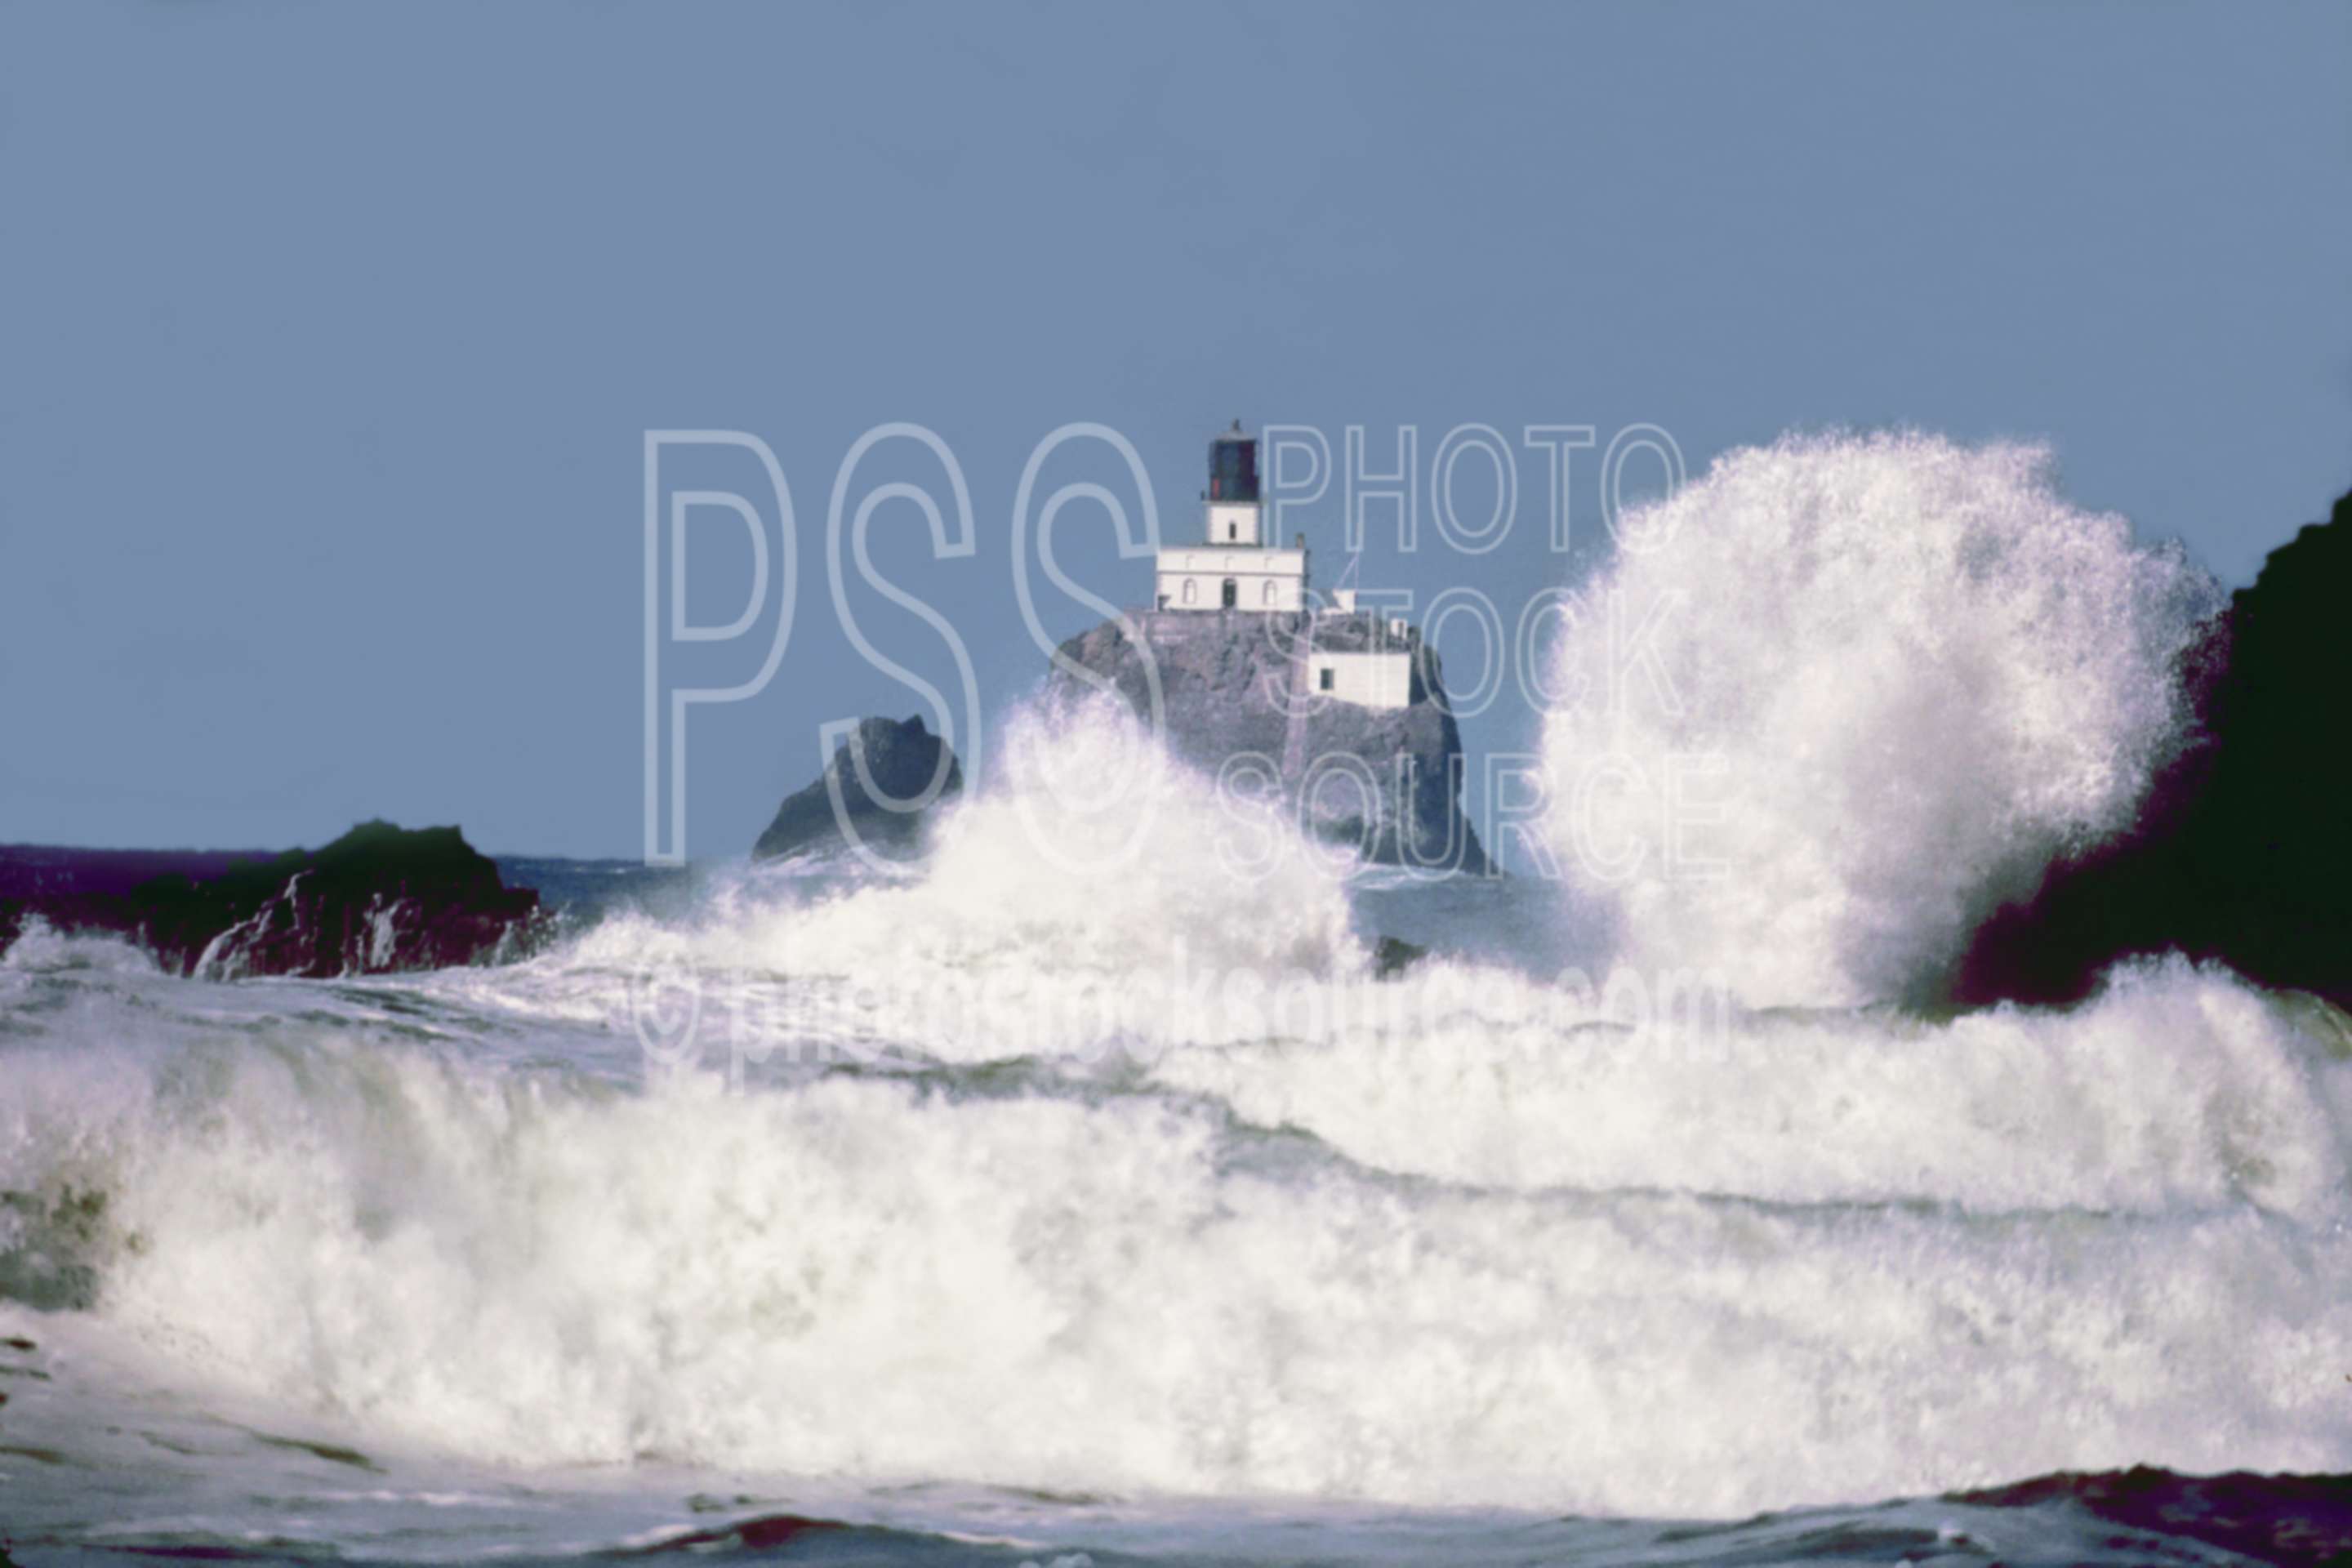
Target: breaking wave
1098 891
1497 1241
1241 1287
1843 695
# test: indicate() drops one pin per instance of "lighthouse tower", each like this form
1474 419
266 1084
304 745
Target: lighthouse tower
1233 567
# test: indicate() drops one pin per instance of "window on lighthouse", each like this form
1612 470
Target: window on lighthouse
1191 591
1267 597
1232 532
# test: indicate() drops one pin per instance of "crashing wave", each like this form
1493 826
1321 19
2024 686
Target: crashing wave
1839 698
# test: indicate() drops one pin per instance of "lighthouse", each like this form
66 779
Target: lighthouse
1234 568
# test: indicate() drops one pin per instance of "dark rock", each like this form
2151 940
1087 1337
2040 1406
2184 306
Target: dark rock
902 762
764 1532
1393 955
1386 780
379 900
2244 851
2270 1519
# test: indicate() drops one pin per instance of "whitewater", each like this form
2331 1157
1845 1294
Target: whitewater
1089 1194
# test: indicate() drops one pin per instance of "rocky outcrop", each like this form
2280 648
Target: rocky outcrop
380 899
2244 852
875 802
2280 1519
1387 780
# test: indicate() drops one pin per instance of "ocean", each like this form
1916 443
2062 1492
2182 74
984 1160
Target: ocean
1090 1196
434 1267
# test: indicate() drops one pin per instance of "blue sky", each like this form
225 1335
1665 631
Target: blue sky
329 336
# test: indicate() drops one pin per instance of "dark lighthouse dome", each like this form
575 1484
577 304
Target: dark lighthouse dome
1233 466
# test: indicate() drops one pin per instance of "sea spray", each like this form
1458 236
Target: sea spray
1094 892
41 948
1839 698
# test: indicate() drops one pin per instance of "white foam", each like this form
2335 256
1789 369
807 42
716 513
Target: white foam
41 948
1096 892
879 1280
2176 1090
1905 673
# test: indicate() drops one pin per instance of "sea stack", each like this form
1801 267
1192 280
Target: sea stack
882 784
1341 710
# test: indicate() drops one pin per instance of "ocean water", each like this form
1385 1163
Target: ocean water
1088 1198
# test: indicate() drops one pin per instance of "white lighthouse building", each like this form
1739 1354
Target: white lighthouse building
1343 655
1234 567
